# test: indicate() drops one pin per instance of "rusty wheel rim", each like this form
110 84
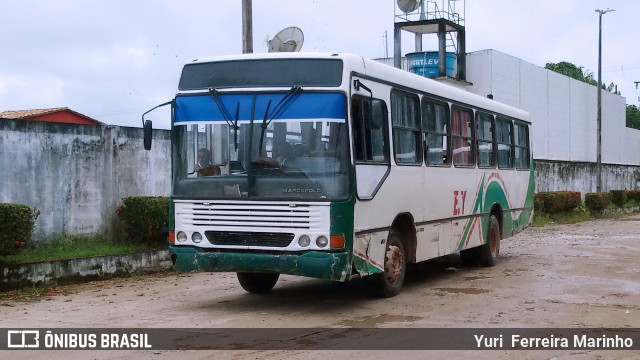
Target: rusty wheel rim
395 264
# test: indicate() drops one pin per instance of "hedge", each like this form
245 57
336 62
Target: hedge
145 218
634 195
597 201
557 201
618 197
16 222
573 199
538 203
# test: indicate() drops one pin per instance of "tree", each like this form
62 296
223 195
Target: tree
572 71
633 117
578 73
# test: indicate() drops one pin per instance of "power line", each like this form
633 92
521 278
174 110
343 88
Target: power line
622 67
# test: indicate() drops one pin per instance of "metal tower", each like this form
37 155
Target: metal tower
444 18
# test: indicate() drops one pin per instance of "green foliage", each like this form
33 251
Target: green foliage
538 203
146 218
573 216
633 117
572 71
633 195
76 246
619 197
16 222
578 73
597 201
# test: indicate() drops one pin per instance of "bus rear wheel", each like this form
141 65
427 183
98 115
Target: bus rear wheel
389 282
257 283
484 255
490 251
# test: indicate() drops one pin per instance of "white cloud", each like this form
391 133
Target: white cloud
20 92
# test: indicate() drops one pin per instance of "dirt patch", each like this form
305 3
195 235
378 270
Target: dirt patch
559 276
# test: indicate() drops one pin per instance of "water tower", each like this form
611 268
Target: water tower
442 17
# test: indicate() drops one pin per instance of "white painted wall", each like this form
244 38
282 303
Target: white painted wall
77 174
563 110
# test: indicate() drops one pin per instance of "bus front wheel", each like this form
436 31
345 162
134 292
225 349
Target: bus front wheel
389 282
257 283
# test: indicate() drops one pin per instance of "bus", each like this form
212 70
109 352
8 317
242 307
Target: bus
337 167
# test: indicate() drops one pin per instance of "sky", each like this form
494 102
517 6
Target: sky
113 59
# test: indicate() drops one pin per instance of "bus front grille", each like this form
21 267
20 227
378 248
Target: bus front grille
262 217
249 238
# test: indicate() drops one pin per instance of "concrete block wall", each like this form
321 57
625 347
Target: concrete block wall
77 174
580 176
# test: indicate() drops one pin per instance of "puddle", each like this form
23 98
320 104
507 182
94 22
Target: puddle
476 277
377 320
471 291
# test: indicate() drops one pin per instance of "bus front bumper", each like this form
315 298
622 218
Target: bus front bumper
317 264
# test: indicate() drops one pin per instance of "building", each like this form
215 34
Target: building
563 121
55 115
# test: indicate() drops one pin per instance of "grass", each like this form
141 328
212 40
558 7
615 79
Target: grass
31 294
579 214
70 247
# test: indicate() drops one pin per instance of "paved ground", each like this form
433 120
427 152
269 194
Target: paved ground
583 275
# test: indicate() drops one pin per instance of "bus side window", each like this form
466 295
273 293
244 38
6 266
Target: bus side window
462 135
504 139
485 134
405 116
521 138
435 117
369 130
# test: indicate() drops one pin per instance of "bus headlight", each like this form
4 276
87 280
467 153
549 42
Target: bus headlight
181 236
304 241
196 237
322 241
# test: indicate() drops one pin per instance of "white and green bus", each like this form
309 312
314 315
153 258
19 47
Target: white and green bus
333 166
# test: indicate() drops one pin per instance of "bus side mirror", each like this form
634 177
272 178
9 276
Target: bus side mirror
148 132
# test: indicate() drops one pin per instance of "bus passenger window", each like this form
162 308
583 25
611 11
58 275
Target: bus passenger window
462 136
435 122
486 154
521 137
405 117
504 139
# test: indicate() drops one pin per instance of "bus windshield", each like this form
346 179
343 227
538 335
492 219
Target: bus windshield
300 153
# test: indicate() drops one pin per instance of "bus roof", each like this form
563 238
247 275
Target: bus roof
394 76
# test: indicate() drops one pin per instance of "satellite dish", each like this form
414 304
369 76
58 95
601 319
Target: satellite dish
408 6
287 40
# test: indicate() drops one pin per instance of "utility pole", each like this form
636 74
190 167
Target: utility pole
247 28
386 48
599 116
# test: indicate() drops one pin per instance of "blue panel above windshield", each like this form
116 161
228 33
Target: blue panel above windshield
192 108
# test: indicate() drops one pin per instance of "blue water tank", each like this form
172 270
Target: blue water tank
425 63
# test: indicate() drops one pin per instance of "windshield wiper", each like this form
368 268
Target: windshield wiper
225 114
282 105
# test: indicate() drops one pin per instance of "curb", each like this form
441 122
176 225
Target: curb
70 271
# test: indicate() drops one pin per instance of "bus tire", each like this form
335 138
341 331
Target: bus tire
470 257
257 283
389 282
490 251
